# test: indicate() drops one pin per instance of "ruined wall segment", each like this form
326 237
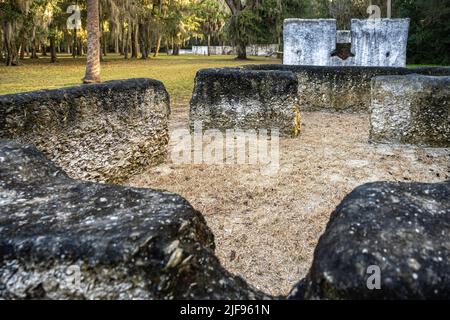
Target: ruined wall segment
374 42
340 89
380 42
101 132
234 98
410 221
126 243
412 109
309 41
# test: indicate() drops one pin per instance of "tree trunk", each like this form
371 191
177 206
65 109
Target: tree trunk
52 49
12 57
241 51
158 45
122 41
93 52
127 42
103 43
134 41
116 44
100 39
105 46
33 50
23 47
44 49
175 47
209 44
236 7
176 50
22 51
75 45
143 41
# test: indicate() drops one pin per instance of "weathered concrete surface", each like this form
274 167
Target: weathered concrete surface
403 228
340 89
343 36
244 99
214 50
412 109
261 50
124 243
374 42
309 41
432 71
101 132
379 42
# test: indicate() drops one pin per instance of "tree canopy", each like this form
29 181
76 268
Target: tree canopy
141 28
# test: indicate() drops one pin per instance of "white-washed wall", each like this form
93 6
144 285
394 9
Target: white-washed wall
252 50
374 42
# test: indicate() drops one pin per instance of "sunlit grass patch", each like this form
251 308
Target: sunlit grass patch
176 72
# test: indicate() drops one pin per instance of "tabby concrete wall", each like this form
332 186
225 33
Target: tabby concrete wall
214 50
374 42
412 109
233 98
100 132
393 229
308 41
340 89
262 50
63 238
379 42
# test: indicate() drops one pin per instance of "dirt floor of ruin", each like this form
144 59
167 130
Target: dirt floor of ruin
267 226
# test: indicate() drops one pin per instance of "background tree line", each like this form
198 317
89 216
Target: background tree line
142 28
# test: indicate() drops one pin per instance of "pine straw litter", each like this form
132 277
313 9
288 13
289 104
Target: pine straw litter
267 226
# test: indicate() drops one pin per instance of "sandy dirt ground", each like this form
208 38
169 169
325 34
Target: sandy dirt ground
267 226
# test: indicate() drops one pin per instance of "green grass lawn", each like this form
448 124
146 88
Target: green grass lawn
412 66
176 72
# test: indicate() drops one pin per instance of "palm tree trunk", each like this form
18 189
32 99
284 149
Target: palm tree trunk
93 42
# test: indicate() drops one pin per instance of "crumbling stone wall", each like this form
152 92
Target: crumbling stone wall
263 50
379 42
134 243
231 98
374 42
308 41
412 109
340 89
120 242
214 50
101 132
396 232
